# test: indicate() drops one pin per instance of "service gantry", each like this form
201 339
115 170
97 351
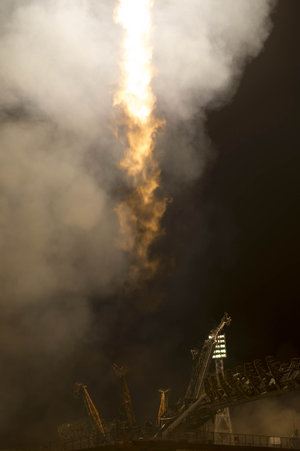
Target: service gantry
207 394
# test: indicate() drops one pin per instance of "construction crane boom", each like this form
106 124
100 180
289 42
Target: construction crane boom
90 407
121 372
163 407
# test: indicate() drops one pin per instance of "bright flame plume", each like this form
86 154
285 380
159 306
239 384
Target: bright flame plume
140 214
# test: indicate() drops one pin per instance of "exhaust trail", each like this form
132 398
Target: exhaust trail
141 211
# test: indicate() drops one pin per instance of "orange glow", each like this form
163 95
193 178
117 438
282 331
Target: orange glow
141 212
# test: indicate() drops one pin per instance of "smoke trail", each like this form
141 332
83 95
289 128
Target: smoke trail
141 212
199 49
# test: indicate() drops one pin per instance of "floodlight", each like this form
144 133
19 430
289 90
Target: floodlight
220 347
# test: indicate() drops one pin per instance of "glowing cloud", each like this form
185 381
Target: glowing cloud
141 211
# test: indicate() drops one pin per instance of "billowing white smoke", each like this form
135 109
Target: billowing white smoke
59 156
280 416
201 46
59 70
58 66
200 49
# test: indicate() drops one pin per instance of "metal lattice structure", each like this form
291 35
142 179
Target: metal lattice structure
90 428
163 407
201 363
222 423
90 407
121 372
209 395
246 383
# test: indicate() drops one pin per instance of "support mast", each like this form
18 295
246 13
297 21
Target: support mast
195 391
121 372
222 423
90 407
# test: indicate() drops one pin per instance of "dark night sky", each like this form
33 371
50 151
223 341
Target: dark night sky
233 236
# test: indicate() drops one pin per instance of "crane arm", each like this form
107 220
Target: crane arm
163 407
91 408
121 372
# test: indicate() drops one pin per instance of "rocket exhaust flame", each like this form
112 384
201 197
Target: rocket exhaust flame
140 213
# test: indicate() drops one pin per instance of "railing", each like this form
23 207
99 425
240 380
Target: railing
67 445
198 437
224 438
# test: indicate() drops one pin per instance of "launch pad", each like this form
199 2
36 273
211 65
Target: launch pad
197 442
208 397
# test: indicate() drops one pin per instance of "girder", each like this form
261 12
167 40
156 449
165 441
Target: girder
201 363
249 382
121 372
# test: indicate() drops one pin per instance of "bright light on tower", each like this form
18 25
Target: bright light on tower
220 347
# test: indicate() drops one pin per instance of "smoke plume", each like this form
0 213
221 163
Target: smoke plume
200 51
60 180
268 417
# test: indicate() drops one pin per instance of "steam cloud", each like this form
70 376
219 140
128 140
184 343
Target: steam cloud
200 50
279 416
59 176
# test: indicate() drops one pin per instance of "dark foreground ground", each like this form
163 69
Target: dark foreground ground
173 446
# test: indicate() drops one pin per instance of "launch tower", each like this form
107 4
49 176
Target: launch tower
222 423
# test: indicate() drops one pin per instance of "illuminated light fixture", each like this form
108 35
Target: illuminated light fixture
220 347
